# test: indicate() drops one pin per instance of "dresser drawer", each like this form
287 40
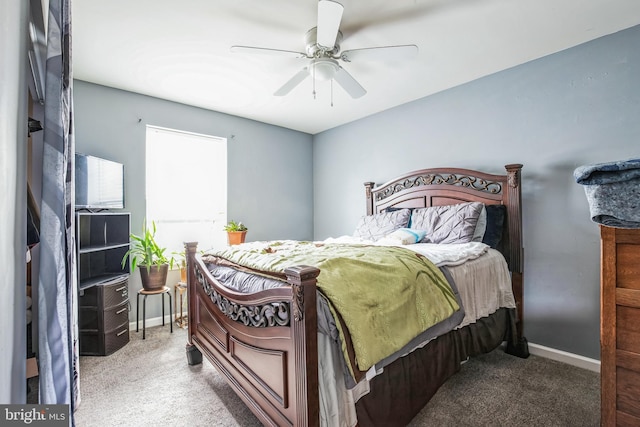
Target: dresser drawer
116 339
115 294
628 388
115 316
105 295
96 343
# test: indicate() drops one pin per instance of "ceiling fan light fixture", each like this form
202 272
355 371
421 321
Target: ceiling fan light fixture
324 68
322 46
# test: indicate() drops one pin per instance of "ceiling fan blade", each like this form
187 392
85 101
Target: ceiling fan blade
348 83
267 51
382 53
329 17
293 82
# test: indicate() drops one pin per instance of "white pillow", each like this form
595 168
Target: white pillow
403 236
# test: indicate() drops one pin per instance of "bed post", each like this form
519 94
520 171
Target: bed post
305 332
368 186
194 356
516 255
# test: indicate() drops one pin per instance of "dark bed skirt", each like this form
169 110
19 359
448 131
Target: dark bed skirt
407 384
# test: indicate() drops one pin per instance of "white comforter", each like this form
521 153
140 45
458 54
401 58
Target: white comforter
440 255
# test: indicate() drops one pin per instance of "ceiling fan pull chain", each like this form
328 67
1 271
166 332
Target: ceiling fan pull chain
313 72
332 92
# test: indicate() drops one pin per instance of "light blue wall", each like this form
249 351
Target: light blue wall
269 167
576 107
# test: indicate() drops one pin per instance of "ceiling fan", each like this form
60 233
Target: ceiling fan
323 52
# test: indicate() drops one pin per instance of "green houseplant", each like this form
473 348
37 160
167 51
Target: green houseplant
180 260
236 232
147 254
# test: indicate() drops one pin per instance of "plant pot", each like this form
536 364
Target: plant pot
236 237
154 277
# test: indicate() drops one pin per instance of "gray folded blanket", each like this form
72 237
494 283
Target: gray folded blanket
613 192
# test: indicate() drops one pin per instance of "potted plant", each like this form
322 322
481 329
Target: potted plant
181 262
236 232
149 256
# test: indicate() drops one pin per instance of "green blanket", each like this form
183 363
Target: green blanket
385 295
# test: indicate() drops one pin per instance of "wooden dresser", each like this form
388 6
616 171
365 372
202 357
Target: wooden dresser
620 326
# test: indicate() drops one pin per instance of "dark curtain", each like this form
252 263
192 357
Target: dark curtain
58 346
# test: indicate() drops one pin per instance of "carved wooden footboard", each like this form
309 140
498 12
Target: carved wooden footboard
265 344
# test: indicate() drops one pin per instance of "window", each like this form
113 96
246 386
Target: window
181 213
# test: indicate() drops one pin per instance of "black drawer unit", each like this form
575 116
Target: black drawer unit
103 317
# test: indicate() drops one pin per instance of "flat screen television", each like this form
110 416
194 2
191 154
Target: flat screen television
99 183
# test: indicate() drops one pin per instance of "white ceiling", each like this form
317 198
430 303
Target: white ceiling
179 50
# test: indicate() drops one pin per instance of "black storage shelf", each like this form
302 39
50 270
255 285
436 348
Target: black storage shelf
103 240
103 302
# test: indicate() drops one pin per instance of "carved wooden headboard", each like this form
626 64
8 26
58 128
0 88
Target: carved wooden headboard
447 186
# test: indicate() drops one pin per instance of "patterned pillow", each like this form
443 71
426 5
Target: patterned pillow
375 227
448 224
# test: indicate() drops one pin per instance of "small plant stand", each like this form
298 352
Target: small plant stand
179 317
145 293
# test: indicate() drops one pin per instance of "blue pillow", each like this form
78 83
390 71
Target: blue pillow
417 234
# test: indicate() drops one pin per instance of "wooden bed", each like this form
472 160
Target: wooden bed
274 369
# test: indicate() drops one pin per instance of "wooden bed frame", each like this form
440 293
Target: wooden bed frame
274 367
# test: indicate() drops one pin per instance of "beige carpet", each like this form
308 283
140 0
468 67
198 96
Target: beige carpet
149 383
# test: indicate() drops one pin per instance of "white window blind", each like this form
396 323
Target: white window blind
186 188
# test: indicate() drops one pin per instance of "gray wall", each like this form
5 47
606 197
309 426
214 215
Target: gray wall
576 107
269 167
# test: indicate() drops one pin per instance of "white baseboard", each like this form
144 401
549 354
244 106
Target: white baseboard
154 321
565 357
